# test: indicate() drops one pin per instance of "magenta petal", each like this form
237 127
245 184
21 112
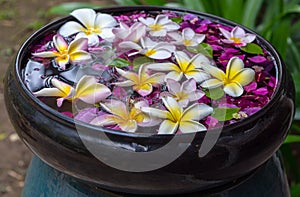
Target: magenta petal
211 121
257 59
261 91
87 115
252 86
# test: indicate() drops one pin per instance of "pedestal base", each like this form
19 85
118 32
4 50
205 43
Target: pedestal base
43 180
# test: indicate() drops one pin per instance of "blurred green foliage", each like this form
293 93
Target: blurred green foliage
275 20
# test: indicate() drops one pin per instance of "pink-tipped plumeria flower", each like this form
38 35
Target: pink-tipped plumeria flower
133 33
154 50
187 37
160 25
183 93
126 117
64 53
175 117
189 67
233 80
142 82
87 90
93 25
237 37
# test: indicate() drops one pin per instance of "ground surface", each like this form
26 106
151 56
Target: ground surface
18 19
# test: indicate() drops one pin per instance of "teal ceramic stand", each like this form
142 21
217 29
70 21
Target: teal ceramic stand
43 180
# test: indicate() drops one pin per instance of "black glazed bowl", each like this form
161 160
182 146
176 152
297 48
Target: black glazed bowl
241 148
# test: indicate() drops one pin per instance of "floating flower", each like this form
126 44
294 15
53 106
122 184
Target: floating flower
233 80
93 25
142 82
87 90
127 118
160 25
189 67
175 117
64 54
187 38
184 93
133 33
237 36
154 50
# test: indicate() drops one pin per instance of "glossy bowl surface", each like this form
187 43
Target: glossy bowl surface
241 148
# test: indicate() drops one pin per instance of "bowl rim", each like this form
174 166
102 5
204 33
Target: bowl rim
71 122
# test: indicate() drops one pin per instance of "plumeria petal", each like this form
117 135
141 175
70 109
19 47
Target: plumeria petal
103 120
116 107
198 75
163 67
63 87
200 61
174 108
168 127
124 83
191 126
212 83
159 33
153 112
188 34
130 45
49 92
106 34
103 20
128 75
80 44
237 32
196 95
233 89
80 56
177 76
86 16
89 91
225 33
144 89
196 111
215 72
70 28
234 65
173 86
46 54
60 44
62 61
93 39
129 126
245 76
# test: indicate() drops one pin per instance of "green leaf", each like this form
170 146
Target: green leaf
137 62
223 114
292 139
66 8
119 62
252 49
215 93
295 190
192 49
177 20
205 49
128 2
250 14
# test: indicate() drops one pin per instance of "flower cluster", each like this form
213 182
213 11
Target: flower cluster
164 71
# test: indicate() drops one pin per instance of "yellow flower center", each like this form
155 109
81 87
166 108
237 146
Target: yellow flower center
156 27
92 30
150 52
187 42
136 114
236 40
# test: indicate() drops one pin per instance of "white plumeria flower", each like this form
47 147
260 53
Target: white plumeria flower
154 50
133 33
189 67
64 54
187 121
160 25
142 82
237 37
233 80
93 25
127 118
183 93
87 90
187 37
